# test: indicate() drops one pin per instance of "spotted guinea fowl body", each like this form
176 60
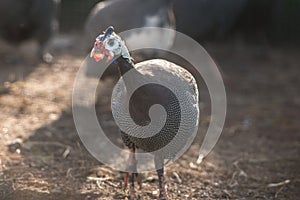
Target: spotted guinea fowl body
181 103
144 87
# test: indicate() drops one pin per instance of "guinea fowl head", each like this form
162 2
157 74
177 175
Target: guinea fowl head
109 45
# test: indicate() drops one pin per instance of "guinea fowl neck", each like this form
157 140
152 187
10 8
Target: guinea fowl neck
124 66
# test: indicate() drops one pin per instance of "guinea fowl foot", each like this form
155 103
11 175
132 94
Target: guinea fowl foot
159 164
163 194
131 174
163 197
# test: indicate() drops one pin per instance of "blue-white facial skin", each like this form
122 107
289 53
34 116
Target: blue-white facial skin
107 45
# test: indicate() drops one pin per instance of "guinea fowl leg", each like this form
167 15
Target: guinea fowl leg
159 165
131 173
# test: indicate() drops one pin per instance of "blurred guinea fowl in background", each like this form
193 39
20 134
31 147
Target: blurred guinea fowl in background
175 133
210 19
147 13
23 20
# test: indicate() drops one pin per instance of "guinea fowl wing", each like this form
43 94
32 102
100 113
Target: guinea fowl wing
186 87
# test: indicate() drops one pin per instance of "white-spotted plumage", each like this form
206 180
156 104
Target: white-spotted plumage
143 86
185 88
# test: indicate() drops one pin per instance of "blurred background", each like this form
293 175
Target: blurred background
255 44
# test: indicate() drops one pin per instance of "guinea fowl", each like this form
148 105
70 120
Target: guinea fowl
179 105
214 18
24 20
147 13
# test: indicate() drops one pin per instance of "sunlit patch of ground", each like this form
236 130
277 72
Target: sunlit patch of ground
257 157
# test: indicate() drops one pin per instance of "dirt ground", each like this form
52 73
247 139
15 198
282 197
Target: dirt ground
257 156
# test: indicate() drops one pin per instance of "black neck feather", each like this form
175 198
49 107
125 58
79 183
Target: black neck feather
125 65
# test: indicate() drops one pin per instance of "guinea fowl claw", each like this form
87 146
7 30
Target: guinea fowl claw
132 193
126 181
138 180
163 198
163 195
131 187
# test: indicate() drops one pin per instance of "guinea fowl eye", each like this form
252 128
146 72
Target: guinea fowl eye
111 42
